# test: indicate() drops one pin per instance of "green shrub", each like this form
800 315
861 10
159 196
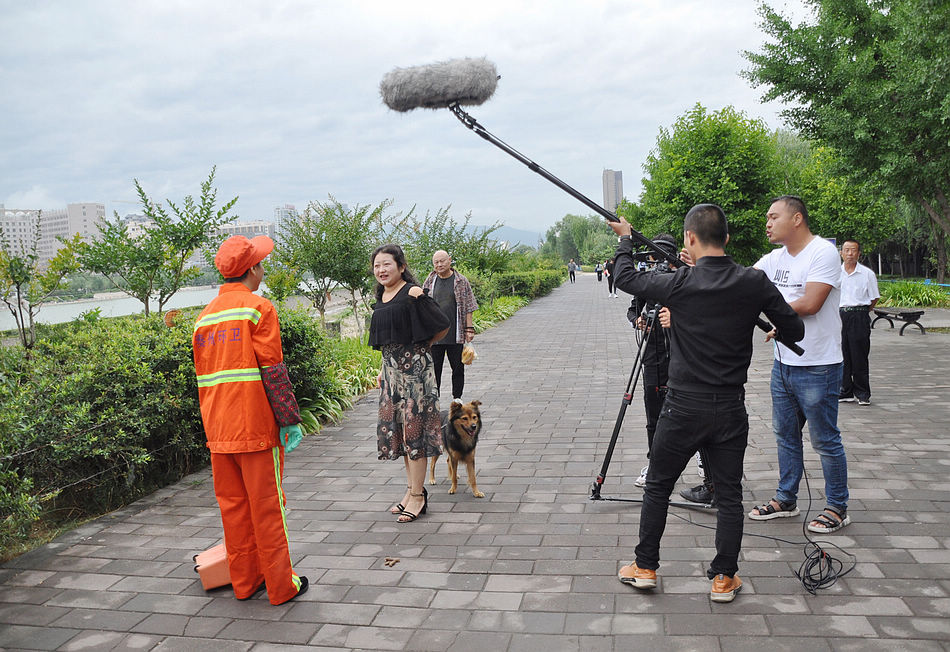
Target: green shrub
105 411
910 294
99 415
501 309
532 284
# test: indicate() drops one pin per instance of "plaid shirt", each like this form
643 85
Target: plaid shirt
464 299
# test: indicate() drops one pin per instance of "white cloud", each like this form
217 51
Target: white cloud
33 198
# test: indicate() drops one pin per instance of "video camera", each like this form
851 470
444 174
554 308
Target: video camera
648 260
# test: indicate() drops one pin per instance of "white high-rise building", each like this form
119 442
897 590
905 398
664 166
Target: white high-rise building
19 227
283 216
613 189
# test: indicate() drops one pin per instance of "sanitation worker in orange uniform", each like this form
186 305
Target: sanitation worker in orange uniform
251 419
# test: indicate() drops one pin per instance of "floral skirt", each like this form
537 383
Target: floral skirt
409 421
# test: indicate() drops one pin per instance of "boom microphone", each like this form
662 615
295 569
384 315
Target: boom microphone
467 82
450 84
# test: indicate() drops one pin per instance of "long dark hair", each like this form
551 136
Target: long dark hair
395 251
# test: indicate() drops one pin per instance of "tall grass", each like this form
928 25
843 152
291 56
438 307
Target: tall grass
910 294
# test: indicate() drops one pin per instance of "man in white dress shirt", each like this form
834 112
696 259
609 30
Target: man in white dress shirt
859 294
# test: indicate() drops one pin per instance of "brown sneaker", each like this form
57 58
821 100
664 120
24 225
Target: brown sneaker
724 588
640 578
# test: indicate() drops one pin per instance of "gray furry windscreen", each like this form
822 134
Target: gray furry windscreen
436 86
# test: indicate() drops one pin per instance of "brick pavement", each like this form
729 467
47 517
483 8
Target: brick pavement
532 566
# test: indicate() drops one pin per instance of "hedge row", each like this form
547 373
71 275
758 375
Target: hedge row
530 284
103 412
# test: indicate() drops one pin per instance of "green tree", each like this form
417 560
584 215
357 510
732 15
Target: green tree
156 264
841 207
870 78
26 283
722 157
586 239
329 246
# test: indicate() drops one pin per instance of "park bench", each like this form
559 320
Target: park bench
908 315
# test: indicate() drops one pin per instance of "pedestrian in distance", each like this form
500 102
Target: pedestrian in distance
859 295
805 388
714 307
251 420
406 321
572 267
452 291
609 273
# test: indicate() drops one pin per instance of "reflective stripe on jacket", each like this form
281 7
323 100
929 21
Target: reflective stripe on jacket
236 336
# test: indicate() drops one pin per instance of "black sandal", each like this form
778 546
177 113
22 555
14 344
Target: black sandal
399 507
768 511
830 520
411 516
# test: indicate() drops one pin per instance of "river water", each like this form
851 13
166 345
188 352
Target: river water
112 305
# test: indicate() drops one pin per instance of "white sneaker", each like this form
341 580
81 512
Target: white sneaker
642 480
699 467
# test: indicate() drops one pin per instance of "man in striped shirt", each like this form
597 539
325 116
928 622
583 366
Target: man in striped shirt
251 418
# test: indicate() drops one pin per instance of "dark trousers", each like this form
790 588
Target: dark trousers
572 275
454 353
855 347
690 421
610 284
600 276
653 396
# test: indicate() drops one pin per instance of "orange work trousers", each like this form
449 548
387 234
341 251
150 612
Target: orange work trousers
251 498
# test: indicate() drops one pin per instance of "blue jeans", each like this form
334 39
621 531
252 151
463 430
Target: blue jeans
801 394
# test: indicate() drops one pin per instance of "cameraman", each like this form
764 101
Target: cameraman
715 306
655 362
655 358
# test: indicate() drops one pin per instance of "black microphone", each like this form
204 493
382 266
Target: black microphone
467 82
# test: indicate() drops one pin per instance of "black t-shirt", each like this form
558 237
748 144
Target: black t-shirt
405 320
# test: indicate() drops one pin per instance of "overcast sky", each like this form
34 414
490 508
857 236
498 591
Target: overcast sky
283 96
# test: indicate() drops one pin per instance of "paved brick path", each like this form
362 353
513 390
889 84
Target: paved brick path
532 566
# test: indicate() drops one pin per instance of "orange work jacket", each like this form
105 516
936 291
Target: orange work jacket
235 337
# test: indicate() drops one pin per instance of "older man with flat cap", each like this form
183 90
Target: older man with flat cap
251 419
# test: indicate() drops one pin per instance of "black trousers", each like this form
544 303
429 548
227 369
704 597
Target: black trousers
855 347
454 353
610 284
690 421
572 275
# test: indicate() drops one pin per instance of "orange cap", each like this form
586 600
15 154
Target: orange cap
237 254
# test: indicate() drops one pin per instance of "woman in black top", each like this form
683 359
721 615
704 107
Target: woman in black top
405 323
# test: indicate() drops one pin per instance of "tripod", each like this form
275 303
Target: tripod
635 373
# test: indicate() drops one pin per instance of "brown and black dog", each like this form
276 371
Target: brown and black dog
460 428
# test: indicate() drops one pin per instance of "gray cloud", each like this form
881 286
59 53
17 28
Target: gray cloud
283 98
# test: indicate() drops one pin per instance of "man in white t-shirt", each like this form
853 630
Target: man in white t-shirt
805 388
859 294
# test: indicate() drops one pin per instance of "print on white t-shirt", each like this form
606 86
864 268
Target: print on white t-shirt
818 262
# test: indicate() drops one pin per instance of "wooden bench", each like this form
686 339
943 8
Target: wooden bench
908 315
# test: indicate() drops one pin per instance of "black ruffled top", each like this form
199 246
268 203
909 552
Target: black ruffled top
406 320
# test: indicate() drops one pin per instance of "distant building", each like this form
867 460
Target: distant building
250 228
20 225
284 216
136 224
613 189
